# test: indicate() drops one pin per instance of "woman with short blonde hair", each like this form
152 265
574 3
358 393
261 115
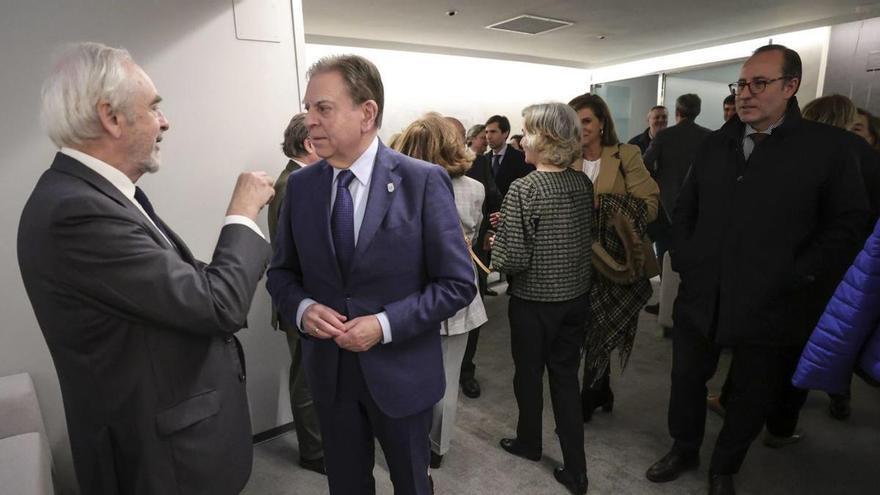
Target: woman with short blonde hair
543 244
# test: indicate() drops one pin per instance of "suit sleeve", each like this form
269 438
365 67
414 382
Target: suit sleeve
684 217
117 263
275 205
284 279
640 184
652 154
843 211
449 270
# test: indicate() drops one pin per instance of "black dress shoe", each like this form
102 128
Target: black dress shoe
652 309
721 484
576 484
471 388
436 460
672 465
512 446
315 465
490 292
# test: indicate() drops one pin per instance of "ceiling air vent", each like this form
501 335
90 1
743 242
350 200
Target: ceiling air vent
529 24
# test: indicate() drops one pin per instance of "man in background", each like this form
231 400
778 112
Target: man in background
508 163
298 148
669 158
658 119
729 107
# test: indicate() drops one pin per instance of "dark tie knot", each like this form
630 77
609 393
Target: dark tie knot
757 137
344 178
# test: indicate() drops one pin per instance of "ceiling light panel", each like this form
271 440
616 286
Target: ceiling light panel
529 24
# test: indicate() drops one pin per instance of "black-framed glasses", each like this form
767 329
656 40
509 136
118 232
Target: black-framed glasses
755 85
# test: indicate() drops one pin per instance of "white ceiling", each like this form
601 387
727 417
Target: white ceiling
633 28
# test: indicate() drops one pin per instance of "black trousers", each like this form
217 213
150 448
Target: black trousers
549 335
350 426
468 368
760 391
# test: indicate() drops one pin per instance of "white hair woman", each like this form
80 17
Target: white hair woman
543 244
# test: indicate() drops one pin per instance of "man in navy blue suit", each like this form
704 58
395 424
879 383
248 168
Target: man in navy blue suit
370 259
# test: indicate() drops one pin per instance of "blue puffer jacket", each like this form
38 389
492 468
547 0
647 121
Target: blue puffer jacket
848 333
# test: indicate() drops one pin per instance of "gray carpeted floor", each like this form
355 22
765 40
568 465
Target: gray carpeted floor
834 457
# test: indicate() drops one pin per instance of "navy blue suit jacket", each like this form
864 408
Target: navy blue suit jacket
411 261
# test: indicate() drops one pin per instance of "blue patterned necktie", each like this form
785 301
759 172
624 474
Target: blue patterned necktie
342 222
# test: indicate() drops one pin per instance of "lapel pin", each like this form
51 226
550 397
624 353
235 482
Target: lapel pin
390 187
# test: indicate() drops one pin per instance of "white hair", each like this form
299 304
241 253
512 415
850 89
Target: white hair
85 74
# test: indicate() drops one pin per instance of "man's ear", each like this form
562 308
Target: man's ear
110 119
791 86
371 113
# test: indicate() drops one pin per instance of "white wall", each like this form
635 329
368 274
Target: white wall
228 102
471 89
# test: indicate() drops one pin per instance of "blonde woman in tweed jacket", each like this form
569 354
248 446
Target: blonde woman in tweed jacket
544 241
435 140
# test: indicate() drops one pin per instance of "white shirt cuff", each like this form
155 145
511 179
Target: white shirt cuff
303 306
243 220
382 317
386 327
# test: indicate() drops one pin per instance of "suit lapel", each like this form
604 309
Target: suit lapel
71 166
608 166
384 185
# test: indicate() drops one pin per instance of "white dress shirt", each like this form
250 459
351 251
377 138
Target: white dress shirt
362 168
748 144
121 182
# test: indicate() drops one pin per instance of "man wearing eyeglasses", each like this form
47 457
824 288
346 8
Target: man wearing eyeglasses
765 223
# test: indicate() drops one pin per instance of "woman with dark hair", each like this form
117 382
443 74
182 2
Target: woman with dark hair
622 186
544 241
433 139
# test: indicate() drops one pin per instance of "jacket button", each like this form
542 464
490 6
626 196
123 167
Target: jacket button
229 339
739 179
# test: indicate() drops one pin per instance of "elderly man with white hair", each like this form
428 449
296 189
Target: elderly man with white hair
141 333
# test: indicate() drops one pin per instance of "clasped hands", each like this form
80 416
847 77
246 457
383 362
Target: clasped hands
356 335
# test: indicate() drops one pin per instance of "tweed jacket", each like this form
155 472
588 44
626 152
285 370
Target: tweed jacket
469 198
544 238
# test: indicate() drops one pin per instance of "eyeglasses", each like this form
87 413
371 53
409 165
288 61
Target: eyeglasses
755 85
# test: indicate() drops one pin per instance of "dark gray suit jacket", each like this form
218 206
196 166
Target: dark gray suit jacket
141 334
669 156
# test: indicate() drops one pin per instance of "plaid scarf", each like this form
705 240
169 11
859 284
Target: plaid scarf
615 308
